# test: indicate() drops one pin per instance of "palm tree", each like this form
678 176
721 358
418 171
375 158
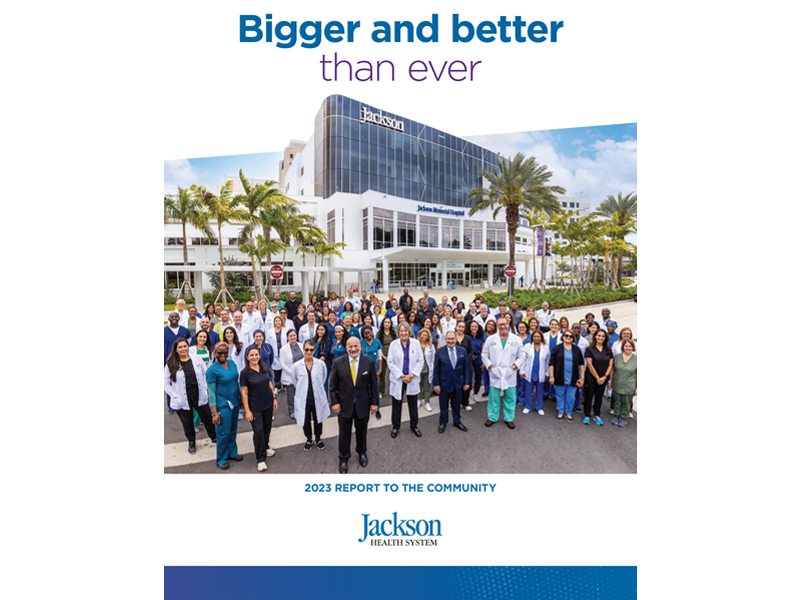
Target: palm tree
621 211
270 217
516 183
294 225
255 198
185 208
224 209
539 219
323 249
257 250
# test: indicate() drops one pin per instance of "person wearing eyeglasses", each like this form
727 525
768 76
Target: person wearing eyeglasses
566 374
311 402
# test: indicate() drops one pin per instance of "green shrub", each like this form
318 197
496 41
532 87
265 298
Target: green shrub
559 298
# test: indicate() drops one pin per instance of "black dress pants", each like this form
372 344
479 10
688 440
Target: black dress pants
593 397
346 431
311 412
262 427
397 409
450 400
187 420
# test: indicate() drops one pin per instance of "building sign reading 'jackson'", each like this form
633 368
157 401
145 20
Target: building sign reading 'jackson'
444 211
367 116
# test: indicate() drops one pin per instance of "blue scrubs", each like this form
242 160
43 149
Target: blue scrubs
224 385
565 394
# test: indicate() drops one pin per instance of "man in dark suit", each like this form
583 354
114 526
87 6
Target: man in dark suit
353 390
451 371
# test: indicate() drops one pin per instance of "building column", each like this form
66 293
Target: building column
444 274
341 283
491 273
529 274
198 291
304 286
324 282
385 269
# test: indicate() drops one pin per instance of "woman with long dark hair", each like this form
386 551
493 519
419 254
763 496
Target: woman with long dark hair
599 366
185 385
323 350
465 341
276 337
386 335
535 370
478 338
258 397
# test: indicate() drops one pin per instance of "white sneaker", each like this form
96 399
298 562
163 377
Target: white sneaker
270 452
525 411
630 416
419 403
611 412
541 412
468 407
262 466
428 406
241 416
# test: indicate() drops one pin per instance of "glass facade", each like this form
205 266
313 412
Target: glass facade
382 228
451 235
473 235
428 232
406 229
496 236
419 163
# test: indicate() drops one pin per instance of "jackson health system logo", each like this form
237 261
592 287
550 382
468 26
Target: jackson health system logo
396 531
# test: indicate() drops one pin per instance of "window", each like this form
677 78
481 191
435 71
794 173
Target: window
564 205
291 156
408 274
428 232
473 235
365 229
301 191
478 272
331 226
495 236
572 205
233 242
204 241
342 225
302 171
451 237
173 241
406 229
382 228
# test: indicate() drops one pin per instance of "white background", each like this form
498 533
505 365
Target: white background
97 96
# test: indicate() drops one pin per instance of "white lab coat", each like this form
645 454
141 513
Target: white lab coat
429 354
545 317
272 340
269 324
544 362
448 325
176 390
193 352
483 321
286 365
394 361
502 359
252 320
184 317
319 375
307 332
583 344
356 302
239 360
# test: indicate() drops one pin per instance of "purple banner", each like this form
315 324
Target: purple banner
539 242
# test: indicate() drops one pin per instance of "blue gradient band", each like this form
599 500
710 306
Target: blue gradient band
400 583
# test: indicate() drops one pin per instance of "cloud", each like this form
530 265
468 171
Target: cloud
600 168
181 172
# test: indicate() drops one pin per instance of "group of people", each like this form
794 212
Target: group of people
340 354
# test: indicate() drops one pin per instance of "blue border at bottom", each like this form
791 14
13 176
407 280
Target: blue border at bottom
396 583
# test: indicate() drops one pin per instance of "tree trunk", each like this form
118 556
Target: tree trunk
267 236
256 285
512 223
223 290
187 288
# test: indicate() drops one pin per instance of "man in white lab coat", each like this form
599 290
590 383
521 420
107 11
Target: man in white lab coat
502 356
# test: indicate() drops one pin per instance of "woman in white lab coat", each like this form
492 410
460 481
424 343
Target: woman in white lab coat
291 352
236 349
502 358
404 381
185 384
304 413
537 353
276 337
448 323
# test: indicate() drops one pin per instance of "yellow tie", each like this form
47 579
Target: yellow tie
353 370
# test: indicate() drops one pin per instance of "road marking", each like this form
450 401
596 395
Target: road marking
176 455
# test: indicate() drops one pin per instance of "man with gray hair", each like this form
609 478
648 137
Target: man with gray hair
483 316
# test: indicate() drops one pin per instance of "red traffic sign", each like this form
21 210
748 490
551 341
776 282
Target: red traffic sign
276 271
510 271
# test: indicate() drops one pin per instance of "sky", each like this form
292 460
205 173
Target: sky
598 160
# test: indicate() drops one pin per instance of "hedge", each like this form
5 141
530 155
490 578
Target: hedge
559 298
